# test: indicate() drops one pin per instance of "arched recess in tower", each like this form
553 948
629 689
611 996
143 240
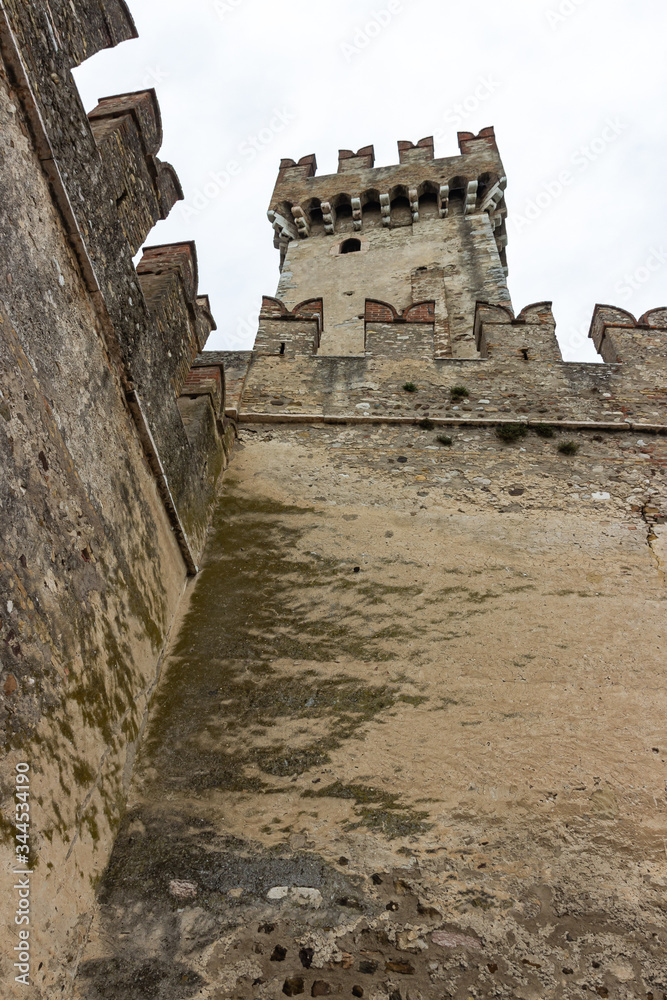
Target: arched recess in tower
352 245
457 196
428 201
401 214
371 210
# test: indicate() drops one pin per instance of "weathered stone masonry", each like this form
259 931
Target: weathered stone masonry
110 455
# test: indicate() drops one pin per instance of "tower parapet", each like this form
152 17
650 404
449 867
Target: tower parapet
339 232
471 183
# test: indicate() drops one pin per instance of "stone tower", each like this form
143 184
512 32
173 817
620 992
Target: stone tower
425 230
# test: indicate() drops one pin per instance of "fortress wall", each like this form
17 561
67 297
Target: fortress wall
106 486
407 742
608 395
91 569
409 735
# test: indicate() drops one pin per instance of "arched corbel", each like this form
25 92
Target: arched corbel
301 220
329 217
471 197
385 208
413 198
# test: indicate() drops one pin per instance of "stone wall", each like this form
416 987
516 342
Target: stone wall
522 379
107 476
409 739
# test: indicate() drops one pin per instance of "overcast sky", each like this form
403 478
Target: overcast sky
576 90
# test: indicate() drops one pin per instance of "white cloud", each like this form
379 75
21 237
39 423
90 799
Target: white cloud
222 73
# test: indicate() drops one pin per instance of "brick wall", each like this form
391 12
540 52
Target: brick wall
396 340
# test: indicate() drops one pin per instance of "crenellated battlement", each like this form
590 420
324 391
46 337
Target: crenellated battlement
529 337
288 332
620 338
128 133
142 106
517 376
350 162
169 280
417 189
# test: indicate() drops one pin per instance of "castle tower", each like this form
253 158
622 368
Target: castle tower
423 231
